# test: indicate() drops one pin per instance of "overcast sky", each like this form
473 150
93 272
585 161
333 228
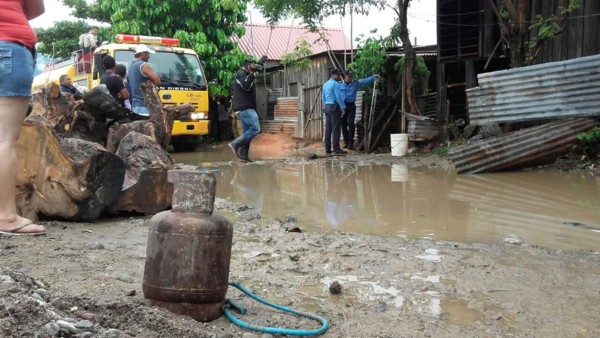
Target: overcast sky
421 20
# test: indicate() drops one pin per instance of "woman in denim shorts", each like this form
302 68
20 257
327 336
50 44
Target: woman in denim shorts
17 44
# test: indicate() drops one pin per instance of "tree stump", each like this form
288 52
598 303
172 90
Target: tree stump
157 127
64 178
145 188
52 105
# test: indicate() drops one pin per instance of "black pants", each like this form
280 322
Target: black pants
348 126
332 127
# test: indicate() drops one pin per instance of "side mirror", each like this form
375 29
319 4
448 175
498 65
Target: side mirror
97 69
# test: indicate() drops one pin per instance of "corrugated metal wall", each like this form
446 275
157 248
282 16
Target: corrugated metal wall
520 149
551 90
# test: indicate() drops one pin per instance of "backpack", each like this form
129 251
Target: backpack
81 40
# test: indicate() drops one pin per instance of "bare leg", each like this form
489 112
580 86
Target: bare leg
12 113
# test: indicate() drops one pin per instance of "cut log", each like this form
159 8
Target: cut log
145 188
50 104
64 178
103 106
157 127
77 119
150 128
180 111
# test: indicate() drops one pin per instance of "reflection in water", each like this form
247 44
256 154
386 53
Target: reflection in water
538 207
206 154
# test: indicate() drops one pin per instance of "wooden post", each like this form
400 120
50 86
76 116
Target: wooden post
442 106
470 74
300 122
403 117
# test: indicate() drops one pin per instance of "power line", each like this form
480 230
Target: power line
493 24
453 14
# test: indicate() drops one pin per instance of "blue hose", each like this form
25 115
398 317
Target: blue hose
272 330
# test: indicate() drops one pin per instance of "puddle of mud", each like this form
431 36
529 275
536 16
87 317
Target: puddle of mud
549 209
206 154
391 300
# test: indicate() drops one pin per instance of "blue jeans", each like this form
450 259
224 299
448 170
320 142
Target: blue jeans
16 70
250 126
141 110
348 126
333 119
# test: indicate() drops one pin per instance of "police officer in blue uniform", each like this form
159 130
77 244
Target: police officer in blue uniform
335 109
349 88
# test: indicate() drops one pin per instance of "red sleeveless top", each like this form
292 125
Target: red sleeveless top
14 26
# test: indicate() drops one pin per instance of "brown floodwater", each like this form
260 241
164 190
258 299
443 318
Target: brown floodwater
549 209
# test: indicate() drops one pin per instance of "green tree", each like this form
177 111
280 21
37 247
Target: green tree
89 10
203 25
60 40
298 59
370 58
422 77
299 56
312 13
524 38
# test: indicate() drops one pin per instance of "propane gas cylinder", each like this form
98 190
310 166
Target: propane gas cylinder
189 250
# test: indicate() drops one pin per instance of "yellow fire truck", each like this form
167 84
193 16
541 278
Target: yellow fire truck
180 70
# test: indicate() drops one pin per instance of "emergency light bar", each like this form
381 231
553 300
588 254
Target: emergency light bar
149 40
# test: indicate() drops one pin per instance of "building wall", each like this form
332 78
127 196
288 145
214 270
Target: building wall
468 29
582 37
468 34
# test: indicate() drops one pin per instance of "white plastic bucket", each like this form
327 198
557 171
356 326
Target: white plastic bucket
399 144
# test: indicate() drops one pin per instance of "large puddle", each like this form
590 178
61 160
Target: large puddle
549 209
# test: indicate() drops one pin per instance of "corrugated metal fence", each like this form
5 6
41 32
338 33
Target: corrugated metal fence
552 90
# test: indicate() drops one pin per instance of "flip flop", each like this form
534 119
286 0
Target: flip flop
15 231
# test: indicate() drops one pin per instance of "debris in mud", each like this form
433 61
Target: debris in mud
130 293
86 315
312 156
27 314
582 226
294 229
251 216
512 239
335 288
243 208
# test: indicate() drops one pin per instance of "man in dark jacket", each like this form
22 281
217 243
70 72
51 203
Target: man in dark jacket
244 106
112 81
66 86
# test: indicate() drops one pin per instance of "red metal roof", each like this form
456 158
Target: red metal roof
255 41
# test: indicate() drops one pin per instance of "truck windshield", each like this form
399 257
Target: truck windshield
176 69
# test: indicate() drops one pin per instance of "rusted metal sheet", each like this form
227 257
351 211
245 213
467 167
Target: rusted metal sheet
547 91
520 149
423 129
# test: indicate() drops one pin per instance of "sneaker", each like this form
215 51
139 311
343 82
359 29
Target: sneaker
234 149
351 147
341 152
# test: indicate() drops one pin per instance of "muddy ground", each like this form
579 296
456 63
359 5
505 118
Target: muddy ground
391 287
85 280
